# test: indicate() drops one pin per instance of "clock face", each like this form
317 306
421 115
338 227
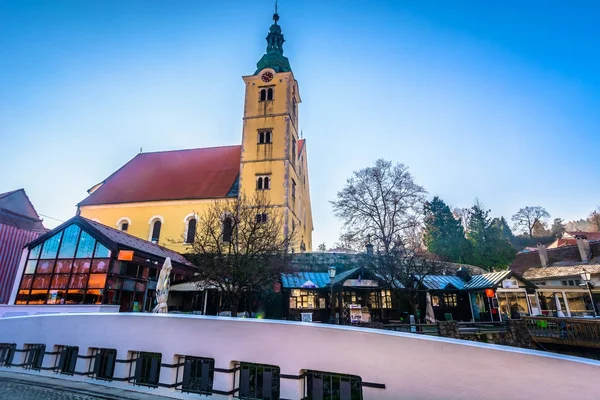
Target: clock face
267 76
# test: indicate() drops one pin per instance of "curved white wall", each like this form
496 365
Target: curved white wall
411 366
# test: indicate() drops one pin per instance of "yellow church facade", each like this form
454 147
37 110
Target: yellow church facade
159 196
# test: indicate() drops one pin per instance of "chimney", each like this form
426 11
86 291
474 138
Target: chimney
584 247
543 254
464 274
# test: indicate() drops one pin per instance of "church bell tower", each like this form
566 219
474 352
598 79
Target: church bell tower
270 143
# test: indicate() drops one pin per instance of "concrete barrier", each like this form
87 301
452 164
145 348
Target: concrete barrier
392 365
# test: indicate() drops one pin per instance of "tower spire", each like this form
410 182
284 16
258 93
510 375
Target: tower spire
274 57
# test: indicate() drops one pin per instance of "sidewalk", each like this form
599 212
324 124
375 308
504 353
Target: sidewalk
23 386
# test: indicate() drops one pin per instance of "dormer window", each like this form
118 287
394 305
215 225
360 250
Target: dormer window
264 136
266 94
263 182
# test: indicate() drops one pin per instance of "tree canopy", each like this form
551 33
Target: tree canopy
241 246
443 234
490 249
528 217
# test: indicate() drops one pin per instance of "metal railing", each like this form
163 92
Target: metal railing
567 331
463 328
481 327
145 370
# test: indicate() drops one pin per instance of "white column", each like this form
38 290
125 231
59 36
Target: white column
18 276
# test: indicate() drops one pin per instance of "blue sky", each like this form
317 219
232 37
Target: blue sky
489 101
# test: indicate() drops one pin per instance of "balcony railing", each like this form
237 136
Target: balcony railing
567 331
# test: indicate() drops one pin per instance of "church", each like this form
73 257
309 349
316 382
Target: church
158 196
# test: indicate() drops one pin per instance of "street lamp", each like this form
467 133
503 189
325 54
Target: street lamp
331 277
587 277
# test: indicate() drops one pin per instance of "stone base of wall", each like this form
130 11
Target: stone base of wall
516 335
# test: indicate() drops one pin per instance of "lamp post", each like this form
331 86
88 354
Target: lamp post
331 277
586 277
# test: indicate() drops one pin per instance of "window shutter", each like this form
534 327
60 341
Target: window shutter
97 362
73 360
317 387
138 367
345 389
154 369
187 370
267 392
63 359
30 355
244 381
204 386
109 369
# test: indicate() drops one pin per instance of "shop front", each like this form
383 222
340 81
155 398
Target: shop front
358 297
499 296
562 302
83 262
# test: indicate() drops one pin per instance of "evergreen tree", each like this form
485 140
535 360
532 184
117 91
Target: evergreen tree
558 227
444 234
490 249
502 226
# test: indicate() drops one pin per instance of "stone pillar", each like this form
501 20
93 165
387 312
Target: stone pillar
448 329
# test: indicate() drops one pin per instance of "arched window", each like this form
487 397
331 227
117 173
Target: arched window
269 94
191 231
263 94
263 183
123 224
227 229
156 231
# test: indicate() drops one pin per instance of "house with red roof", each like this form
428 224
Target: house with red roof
159 196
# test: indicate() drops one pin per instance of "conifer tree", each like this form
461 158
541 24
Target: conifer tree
490 249
444 235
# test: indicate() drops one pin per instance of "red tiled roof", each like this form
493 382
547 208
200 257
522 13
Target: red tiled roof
300 146
171 175
588 235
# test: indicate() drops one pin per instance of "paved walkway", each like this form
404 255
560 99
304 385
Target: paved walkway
22 386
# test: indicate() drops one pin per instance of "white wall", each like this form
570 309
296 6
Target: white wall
22 310
411 366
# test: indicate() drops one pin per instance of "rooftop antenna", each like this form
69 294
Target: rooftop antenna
275 6
141 150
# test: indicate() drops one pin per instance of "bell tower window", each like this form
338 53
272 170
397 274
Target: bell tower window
266 94
263 182
264 137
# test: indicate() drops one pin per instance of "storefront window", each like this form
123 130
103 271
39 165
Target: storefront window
450 300
552 304
50 248
512 304
386 299
303 299
58 270
69 243
580 304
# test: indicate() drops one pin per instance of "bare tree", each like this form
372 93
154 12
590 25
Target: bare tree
528 217
384 206
405 272
322 247
381 202
241 246
594 219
